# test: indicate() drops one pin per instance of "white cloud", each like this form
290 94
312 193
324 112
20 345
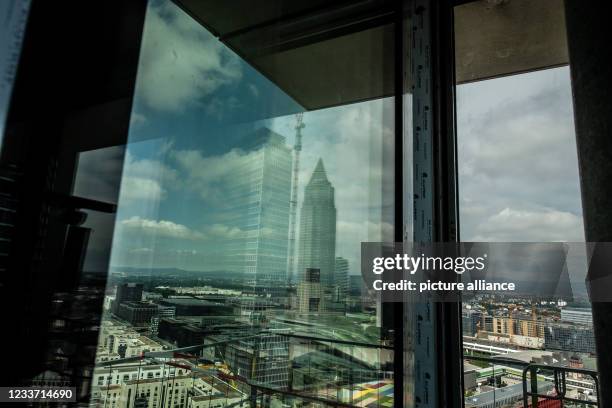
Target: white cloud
161 229
150 169
137 119
254 90
181 62
144 181
511 225
219 108
141 189
211 176
148 228
220 231
518 168
140 251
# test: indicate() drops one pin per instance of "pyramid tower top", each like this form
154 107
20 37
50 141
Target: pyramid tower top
319 173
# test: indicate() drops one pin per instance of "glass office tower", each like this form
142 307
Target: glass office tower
256 209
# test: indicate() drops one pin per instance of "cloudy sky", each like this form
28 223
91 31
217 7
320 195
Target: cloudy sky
196 104
518 166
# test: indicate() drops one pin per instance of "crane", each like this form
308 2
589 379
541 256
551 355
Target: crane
297 148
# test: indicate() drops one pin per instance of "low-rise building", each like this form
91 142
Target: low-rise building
569 337
173 391
137 313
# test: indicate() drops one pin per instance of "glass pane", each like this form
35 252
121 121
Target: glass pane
14 15
234 273
519 182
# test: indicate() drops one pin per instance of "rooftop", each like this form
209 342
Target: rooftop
189 302
488 398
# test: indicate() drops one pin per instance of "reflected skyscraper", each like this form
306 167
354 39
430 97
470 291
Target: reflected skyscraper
317 243
257 211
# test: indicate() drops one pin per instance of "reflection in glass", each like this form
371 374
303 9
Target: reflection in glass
234 275
14 15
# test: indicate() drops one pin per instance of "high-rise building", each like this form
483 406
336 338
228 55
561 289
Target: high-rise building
317 244
341 279
127 292
256 208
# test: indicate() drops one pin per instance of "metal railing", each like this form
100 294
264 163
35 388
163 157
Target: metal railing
560 384
532 397
257 393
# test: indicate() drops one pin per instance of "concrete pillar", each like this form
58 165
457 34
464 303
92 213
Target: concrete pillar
589 33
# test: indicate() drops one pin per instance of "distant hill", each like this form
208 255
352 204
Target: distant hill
160 272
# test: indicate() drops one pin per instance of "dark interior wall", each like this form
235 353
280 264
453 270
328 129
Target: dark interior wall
588 34
72 92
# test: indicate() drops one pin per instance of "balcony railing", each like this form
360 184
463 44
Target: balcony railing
530 385
319 372
560 384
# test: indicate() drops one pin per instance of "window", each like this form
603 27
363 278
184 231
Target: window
14 15
253 171
518 182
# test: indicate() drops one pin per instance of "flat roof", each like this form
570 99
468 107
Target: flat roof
190 302
525 356
578 309
500 394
